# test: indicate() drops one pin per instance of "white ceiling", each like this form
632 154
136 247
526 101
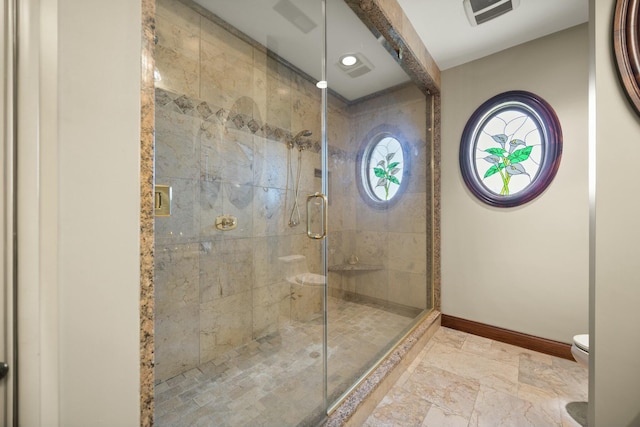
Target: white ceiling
442 25
451 40
345 34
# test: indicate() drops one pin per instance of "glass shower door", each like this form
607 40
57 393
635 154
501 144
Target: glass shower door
378 136
272 300
239 303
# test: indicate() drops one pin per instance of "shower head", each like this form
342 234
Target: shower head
303 133
297 140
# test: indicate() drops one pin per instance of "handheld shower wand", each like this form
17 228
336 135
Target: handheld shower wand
296 142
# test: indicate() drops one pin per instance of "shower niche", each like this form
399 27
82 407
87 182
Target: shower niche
242 131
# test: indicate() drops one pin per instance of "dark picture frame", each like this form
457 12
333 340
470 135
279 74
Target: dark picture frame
626 46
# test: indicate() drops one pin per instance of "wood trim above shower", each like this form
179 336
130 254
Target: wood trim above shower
386 17
542 345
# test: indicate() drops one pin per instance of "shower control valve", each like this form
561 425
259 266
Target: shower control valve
226 222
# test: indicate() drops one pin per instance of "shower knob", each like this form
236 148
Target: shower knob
226 222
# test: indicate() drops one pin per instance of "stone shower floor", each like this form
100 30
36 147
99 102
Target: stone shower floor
462 380
277 380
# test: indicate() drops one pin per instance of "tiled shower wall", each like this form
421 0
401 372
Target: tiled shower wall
394 238
224 112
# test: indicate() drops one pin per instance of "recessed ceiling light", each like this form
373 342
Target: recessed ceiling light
322 84
348 60
354 64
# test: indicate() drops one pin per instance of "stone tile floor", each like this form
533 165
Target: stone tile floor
468 381
277 380
457 380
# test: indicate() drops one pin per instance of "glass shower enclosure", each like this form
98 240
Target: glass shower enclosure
291 252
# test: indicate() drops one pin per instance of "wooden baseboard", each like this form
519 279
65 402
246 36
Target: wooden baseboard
542 345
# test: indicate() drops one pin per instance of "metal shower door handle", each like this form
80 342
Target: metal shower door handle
323 199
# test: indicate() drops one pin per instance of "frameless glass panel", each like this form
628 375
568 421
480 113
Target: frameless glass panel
249 268
379 200
239 284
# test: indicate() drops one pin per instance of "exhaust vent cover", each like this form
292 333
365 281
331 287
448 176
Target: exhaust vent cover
481 11
361 67
293 14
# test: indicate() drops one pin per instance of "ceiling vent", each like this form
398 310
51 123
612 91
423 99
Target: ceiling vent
293 14
360 67
481 11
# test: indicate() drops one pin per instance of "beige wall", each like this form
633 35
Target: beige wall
98 223
523 268
615 289
102 289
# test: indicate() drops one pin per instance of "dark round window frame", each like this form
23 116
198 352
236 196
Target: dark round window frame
372 138
551 136
626 45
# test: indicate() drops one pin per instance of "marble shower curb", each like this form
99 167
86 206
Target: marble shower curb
360 403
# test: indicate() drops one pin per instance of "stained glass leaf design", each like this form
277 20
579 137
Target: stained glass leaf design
500 138
516 169
385 160
514 143
380 173
492 159
493 170
520 155
496 151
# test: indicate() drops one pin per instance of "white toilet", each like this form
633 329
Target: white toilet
580 349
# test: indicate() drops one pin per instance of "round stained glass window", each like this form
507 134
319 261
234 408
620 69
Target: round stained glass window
511 149
382 167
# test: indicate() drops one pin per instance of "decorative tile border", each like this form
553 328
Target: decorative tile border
240 121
